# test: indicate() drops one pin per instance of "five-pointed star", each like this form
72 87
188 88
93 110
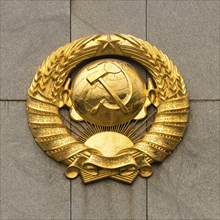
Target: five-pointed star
108 43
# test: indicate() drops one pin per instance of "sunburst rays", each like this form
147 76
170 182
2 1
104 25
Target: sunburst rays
134 129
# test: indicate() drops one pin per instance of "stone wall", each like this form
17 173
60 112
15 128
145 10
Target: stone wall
185 186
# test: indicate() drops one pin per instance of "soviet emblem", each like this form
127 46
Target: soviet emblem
107 133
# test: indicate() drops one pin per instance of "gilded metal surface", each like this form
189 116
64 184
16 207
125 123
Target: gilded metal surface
108 102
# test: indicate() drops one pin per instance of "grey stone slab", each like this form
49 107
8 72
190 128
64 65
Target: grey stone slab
109 200
33 186
30 31
186 184
101 17
188 32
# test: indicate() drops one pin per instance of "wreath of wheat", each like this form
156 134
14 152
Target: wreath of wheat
46 91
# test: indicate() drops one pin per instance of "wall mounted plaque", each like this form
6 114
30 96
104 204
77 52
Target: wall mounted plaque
107 133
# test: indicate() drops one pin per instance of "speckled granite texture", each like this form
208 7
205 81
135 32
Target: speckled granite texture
185 186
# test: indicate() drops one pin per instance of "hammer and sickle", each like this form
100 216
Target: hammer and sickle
97 76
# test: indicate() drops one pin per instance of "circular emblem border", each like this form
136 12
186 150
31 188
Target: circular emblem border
47 91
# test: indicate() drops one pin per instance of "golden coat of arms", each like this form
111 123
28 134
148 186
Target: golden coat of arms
107 133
